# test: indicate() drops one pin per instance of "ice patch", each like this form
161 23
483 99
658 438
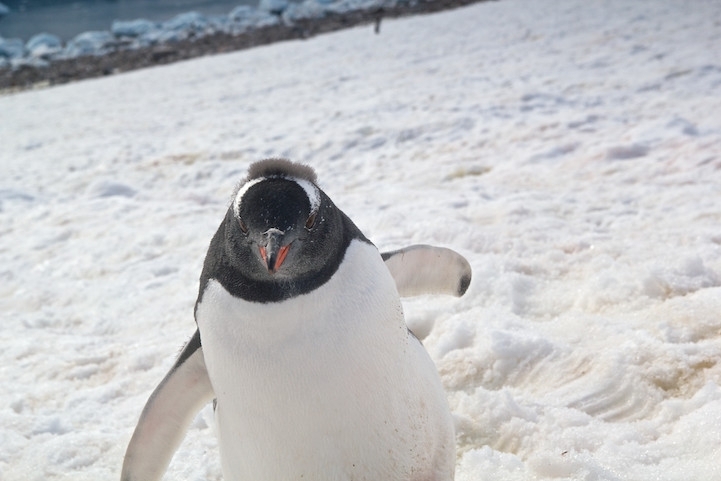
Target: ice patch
627 152
132 28
685 126
90 43
109 188
8 196
50 425
187 22
44 45
244 17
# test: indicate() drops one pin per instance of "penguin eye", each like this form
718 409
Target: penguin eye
310 223
243 227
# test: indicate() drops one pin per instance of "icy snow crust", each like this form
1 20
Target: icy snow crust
570 149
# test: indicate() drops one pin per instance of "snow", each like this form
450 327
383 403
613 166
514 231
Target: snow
43 45
90 43
243 18
569 149
132 28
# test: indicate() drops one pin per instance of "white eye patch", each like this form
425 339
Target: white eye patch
241 193
311 191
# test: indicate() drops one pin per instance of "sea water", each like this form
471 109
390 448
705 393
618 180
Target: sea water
68 18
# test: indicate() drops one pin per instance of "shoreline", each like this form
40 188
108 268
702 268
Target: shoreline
62 71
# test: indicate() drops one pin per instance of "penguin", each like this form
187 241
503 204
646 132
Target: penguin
302 346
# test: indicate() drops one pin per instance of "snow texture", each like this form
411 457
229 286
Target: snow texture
570 149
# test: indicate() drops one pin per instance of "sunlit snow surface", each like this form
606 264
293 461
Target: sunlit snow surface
570 149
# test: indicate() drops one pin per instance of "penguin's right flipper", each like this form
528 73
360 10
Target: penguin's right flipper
423 269
167 415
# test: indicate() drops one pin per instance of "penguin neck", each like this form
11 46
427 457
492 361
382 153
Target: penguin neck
219 267
265 291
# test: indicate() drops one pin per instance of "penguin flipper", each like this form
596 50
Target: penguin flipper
167 415
423 269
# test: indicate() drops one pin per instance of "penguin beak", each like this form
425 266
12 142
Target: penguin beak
274 253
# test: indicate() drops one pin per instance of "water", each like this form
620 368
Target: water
67 18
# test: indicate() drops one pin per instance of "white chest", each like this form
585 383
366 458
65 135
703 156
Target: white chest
322 386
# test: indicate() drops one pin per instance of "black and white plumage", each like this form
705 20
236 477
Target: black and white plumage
302 342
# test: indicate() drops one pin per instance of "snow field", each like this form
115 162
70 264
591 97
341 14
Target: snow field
569 149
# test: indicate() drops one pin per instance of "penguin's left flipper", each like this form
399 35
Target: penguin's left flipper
423 269
167 415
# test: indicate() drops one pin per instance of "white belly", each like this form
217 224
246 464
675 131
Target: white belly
326 386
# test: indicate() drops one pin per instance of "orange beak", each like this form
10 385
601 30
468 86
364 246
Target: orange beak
272 260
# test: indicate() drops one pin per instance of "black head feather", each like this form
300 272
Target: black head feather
281 168
276 197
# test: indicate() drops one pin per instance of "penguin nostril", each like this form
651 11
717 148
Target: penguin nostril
273 232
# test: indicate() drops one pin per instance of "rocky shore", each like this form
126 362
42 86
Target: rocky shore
120 58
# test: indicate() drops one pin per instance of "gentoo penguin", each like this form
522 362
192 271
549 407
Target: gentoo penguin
302 343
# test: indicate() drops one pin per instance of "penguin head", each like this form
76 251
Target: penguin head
282 230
